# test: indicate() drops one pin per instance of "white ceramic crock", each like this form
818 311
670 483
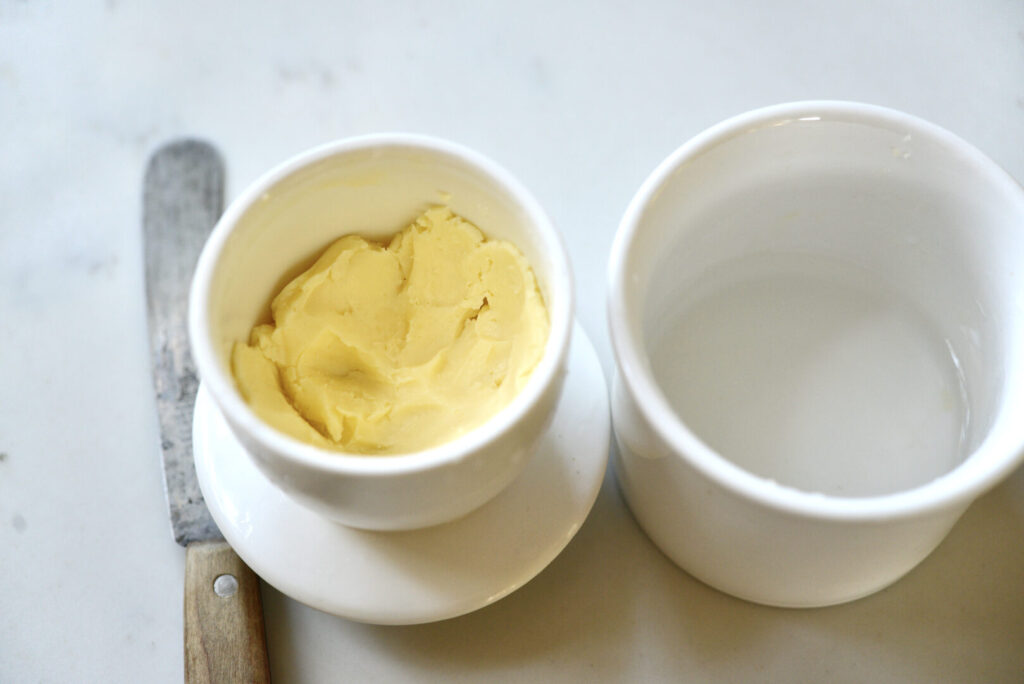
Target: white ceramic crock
897 197
375 185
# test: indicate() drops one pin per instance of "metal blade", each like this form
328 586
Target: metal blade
183 198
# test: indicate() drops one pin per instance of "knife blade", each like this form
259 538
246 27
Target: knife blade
183 197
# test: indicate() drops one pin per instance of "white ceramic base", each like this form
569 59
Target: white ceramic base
420 575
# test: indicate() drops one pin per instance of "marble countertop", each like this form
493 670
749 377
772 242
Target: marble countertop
580 104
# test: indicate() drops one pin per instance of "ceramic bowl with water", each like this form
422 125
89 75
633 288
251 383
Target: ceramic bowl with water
817 312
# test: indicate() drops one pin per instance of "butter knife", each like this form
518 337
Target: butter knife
224 634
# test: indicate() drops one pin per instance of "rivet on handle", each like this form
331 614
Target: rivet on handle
225 586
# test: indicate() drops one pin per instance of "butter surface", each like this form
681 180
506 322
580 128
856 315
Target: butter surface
387 349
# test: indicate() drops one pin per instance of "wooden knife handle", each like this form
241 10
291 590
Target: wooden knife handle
224 635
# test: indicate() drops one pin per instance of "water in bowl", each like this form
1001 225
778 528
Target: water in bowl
815 375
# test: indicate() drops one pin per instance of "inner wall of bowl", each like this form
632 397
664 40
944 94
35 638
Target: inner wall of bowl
825 304
371 192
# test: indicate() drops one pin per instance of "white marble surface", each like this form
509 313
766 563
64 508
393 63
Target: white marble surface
580 103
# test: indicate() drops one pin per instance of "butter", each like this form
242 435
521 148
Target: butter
389 349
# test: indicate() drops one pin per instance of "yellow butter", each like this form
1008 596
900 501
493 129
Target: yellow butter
388 349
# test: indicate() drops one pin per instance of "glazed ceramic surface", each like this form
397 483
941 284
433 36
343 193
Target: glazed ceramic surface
816 310
418 575
374 186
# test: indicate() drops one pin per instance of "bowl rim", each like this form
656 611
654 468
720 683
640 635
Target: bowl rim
285 447
956 487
